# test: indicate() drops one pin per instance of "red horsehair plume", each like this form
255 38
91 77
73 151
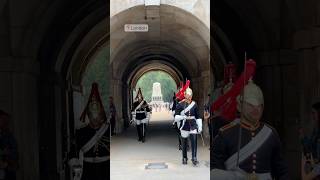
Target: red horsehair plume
180 93
227 102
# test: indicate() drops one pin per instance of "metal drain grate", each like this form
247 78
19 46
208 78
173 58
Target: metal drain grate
157 165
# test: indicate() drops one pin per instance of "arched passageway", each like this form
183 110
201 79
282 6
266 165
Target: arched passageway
172 44
177 43
41 38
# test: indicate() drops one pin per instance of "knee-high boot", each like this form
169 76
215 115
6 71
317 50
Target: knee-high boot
143 131
179 138
184 150
193 139
139 132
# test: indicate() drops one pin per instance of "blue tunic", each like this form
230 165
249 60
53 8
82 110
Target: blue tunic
266 159
141 112
190 124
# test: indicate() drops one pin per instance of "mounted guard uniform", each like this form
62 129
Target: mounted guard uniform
243 152
190 125
140 115
260 154
92 142
96 156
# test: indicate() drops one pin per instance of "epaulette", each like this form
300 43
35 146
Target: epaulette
228 126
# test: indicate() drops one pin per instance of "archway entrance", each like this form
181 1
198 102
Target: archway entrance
158 89
172 45
180 47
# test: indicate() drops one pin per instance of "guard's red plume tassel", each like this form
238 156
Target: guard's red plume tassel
227 103
180 94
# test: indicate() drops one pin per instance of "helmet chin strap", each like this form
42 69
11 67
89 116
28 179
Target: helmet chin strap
249 120
189 100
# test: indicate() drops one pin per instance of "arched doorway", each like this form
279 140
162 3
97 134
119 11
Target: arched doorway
166 83
177 44
63 66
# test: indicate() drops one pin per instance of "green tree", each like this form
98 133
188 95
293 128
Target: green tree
97 71
168 85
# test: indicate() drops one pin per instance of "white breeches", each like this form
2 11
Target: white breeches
138 122
186 134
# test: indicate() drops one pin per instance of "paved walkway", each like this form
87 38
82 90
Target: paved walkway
129 157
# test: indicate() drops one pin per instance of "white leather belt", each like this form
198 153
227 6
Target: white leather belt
139 121
96 159
190 117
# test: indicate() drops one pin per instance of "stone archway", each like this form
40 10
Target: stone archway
62 65
154 66
176 38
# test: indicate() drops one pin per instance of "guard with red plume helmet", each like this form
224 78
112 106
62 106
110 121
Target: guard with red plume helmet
187 114
181 92
247 148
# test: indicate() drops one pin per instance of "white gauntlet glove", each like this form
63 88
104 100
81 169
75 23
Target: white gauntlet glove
76 168
148 116
199 123
133 117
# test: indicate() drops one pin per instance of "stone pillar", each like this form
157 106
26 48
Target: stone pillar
307 43
205 78
277 75
18 96
201 88
117 89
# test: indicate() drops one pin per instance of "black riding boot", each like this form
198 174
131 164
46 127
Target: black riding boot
139 132
193 139
184 150
143 132
180 145
179 136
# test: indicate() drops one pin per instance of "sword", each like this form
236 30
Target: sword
203 144
241 114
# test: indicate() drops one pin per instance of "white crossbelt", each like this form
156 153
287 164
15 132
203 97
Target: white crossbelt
188 108
96 159
88 146
249 148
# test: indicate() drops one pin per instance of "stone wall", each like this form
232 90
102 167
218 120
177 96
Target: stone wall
199 8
